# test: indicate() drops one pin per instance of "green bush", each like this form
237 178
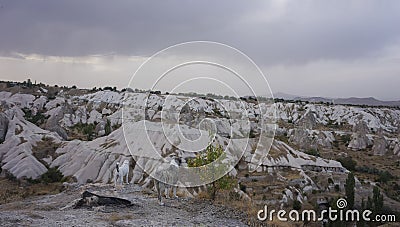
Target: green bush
385 176
51 176
9 176
337 188
348 163
346 138
313 152
243 187
87 129
297 205
37 119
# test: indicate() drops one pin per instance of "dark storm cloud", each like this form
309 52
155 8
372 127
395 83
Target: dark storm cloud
318 48
128 27
270 32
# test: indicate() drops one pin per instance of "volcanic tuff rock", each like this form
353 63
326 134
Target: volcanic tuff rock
3 127
380 144
359 140
94 160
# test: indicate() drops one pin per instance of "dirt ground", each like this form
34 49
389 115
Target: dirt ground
56 210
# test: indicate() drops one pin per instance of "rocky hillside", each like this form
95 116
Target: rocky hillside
80 132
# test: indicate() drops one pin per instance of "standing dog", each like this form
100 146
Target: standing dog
170 176
120 172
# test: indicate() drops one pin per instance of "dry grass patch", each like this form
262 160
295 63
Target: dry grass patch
114 217
12 191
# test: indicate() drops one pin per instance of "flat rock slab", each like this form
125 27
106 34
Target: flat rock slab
90 199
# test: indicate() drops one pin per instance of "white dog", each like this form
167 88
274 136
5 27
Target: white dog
120 172
167 174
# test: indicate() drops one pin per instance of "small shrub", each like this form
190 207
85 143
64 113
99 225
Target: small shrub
10 176
385 176
234 195
346 138
337 188
297 205
243 187
348 163
313 152
52 175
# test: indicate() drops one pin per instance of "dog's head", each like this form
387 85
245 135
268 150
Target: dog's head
126 162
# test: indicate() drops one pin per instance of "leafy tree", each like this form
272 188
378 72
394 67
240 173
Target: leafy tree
211 172
349 187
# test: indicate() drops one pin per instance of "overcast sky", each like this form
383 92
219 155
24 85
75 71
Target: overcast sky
311 48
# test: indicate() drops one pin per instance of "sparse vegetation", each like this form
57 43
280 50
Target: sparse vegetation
313 152
52 175
297 205
211 172
36 119
346 138
44 149
86 129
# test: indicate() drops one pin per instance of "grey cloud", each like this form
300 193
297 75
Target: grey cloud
305 47
301 31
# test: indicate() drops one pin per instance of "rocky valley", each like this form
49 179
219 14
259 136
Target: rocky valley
296 154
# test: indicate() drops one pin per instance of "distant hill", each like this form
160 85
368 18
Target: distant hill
369 101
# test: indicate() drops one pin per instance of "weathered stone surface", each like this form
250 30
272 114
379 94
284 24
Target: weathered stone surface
359 139
308 121
3 127
53 122
396 149
380 144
